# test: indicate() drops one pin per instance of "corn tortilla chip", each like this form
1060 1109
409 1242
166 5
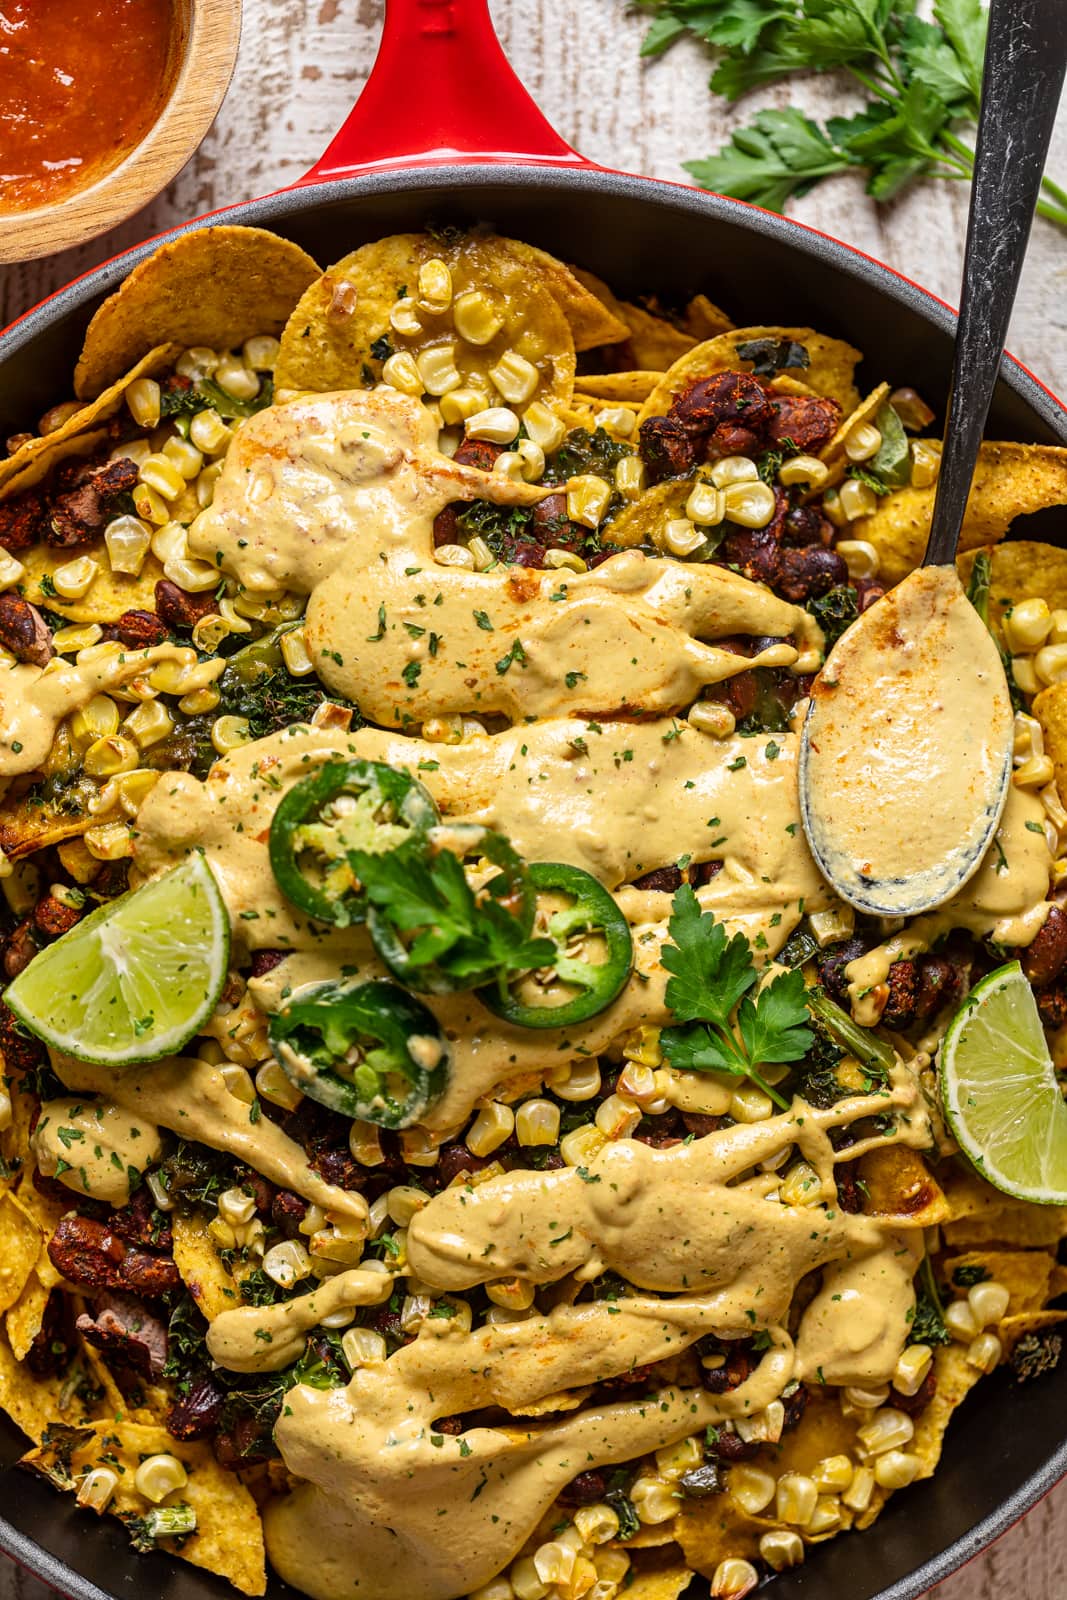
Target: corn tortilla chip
107 597
652 341
22 1244
229 1535
643 521
590 321
955 1380
658 1583
28 824
633 386
339 335
1026 1274
37 457
1050 709
32 1402
1011 1329
1011 481
705 320
24 1321
205 1275
1022 569
899 1183
829 373
217 286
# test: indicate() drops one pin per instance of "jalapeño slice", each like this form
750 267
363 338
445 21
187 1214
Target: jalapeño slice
344 809
596 983
436 930
367 1050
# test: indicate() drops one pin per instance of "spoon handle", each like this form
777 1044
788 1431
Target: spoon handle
1026 55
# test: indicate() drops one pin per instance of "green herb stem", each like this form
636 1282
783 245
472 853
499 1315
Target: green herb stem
868 1049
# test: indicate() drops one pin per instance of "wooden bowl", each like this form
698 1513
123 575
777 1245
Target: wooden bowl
206 36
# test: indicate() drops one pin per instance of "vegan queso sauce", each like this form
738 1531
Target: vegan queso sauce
81 83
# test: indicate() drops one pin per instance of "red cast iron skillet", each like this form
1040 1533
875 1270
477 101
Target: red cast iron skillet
444 132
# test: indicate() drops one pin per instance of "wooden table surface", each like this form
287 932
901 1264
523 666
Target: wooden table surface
301 64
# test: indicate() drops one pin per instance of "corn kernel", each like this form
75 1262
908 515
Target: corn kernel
400 372
10 571
184 456
654 1501
232 375
454 555
612 1565
546 429
159 1476
150 506
286 1263
260 353
857 499
925 462
205 484
475 319
833 510
859 556
199 701
515 1294
857 1398
803 469
514 377
533 459
525 1583
706 504
194 576
833 1473
764 1427
403 1202
493 1124
236 1206
630 477
148 723
680 538
752 1488
827 1515
72 580
619 419
989 1302
435 285
781 1548
857 1497
199 361
99 719
802 1185
581 1146
437 369
127 540
459 404
734 469
1050 663
274 1085
1027 626
896 1469
554 1562
570 560
106 757
733 1579
639 1084
862 442
985 1352
750 505
160 474
616 1117
750 1104
419 1148
596 1524
229 733
509 465
404 319
912 1369
96 1490
795 1498
144 399
483 559
537 1123
237 1081
1022 671
496 424
642 1046
587 500
887 1430
579 1081
362 1347
57 415
209 433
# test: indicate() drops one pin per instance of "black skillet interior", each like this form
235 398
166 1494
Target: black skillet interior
1007 1447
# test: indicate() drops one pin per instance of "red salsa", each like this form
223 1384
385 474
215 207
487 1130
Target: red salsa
81 83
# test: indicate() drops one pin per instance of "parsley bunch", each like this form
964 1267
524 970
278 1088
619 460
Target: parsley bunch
710 976
924 80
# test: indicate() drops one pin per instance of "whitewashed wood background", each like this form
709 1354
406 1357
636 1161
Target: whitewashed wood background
302 63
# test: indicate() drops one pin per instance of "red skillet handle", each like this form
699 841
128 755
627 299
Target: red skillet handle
441 90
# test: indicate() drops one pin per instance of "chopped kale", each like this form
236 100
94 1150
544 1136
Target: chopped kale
769 356
835 611
186 1346
180 402
928 1320
1035 1355
623 1507
584 452
259 1290
382 348
967 1277
211 394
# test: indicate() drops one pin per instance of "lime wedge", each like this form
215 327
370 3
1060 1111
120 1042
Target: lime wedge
1000 1093
137 978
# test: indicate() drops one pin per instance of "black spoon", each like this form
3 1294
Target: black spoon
906 753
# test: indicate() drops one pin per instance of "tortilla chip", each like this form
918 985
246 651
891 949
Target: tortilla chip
1011 1329
328 340
229 1534
216 286
25 1319
652 342
899 1184
714 1529
207 1278
705 320
21 1247
831 364
834 455
633 386
1050 709
1026 1274
79 434
590 321
1011 481
32 1402
107 597
643 520
1022 569
28 824
15 1138
665 1582
955 1380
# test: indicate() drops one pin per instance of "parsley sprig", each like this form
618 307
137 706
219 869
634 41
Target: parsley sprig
708 991
924 80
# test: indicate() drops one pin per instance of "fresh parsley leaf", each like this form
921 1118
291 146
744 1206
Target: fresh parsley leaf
780 153
774 1026
709 973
